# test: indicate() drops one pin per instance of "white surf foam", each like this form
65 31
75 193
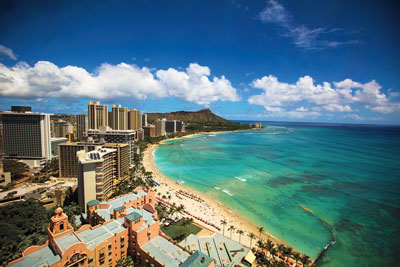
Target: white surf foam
241 179
227 192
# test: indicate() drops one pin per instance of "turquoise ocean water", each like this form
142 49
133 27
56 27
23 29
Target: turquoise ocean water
348 176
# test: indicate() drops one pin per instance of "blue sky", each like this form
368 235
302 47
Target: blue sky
303 60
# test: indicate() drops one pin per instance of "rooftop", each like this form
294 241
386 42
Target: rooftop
133 216
197 259
7 112
118 202
92 237
93 202
43 256
222 249
165 252
66 241
120 208
94 155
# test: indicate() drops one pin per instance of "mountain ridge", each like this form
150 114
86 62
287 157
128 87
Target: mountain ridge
203 115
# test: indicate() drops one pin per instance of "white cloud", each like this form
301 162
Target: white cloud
274 13
375 118
338 108
45 79
273 109
194 85
302 36
354 117
8 52
276 94
298 113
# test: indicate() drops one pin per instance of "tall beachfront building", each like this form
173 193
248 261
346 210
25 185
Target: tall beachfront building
96 173
123 226
97 114
134 119
116 136
81 125
144 120
119 117
160 127
26 136
68 161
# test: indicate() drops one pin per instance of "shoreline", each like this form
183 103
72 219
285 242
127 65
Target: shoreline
212 210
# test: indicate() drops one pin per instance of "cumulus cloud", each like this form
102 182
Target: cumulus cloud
336 98
354 117
298 113
46 79
8 52
302 36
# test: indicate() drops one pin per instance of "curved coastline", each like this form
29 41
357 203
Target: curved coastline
223 212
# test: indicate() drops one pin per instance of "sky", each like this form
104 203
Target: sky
275 60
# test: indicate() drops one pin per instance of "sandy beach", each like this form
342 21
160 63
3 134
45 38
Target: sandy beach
211 209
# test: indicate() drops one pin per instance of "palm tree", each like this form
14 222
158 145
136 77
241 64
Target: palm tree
273 251
223 222
240 232
281 249
269 245
296 256
231 228
305 260
260 231
251 236
260 243
180 208
288 252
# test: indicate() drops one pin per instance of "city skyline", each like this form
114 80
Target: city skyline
264 60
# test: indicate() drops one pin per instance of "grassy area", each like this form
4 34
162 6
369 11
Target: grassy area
179 232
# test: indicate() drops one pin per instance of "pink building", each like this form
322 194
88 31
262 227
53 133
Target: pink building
127 225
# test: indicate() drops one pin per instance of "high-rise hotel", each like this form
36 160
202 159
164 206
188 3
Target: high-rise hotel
26 136
119 117
98 115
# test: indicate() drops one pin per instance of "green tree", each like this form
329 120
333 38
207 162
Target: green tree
16 168
71 211
17 232
252 236
240 232
260 231
127 262
231 228
269 245
223 222
281 249
305 260
296 256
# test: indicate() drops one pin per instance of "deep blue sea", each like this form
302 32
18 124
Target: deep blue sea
305 183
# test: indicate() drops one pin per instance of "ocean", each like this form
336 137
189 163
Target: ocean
307 184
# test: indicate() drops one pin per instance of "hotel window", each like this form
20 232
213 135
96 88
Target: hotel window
90 259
